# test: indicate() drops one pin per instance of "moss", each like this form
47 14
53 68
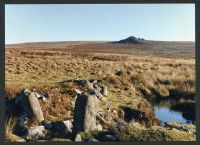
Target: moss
94 134
132 132
61 139
190 127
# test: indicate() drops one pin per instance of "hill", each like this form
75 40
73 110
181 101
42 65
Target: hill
130 45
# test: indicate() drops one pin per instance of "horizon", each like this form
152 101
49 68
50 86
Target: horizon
98 22
88 41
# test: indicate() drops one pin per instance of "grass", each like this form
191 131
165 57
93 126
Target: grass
10 124
134 75
133 132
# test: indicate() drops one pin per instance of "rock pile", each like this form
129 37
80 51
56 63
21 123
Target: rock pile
85 111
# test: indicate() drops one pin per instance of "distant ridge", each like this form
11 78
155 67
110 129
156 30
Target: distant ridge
130 40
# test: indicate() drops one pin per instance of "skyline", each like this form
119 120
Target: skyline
99 22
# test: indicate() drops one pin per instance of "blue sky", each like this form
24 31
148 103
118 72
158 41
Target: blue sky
39 23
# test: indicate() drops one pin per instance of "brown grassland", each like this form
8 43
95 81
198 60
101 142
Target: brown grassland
134 74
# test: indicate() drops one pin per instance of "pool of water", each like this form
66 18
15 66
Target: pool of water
165 114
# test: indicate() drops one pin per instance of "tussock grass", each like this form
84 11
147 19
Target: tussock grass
9 130
134 132
145 77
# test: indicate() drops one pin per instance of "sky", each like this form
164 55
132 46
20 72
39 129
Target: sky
96 22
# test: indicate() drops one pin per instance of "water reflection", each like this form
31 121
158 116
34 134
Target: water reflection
165 113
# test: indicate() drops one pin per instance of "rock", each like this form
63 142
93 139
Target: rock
27 91
78 138
36 132
85 83
23 119
74 101
68 125
30 104
35 106
47 125
45 94
109 138
94 81
80 82
104 90
93 140
42 96
119 73
99 127
21 140
94 92
98 89
99 96
62 127
89 85
77 91
85 112
33 90
99 117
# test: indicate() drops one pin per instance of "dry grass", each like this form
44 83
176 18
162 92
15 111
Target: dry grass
134 132
9 130
143 76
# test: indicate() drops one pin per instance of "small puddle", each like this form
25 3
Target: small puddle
164 112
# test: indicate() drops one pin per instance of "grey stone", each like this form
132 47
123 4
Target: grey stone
99 127
30 104
36 132
96 93
93 140
119 73
78 138
94 81
21 140
62 127
99 96
93 91
74 101
104 90
35 106
68 125
47 125
99 117
89 85
23 119
80 82
85 112
109 138
98 89
77 91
